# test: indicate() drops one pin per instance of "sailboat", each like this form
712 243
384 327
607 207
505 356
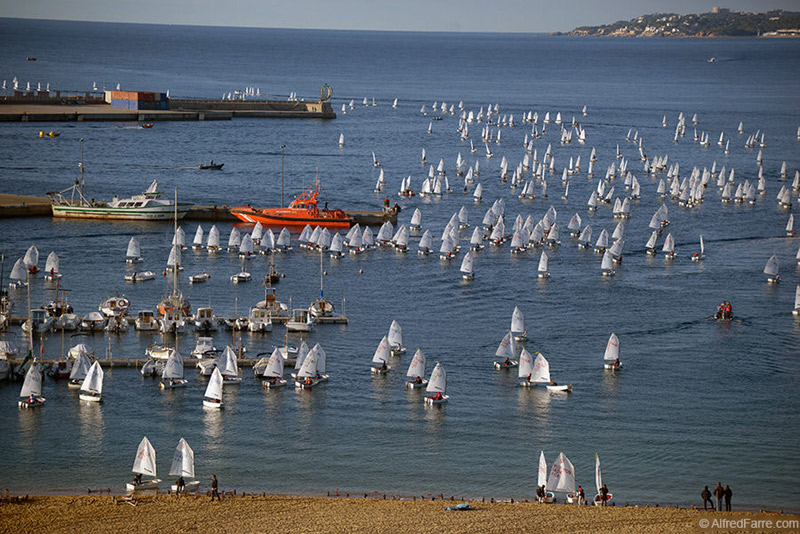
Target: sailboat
611 357
183 466
790 232
699 256
30 396
541 481
144 464
771 270
416 369
562 477
518 325
321 307
607 265
273 374
396 339
598 480
173 372
308 374
796 311
437 386
543 261
380 360
80 367
669 247
213 395
467 269
507 352
92 387
540 376
52 266
341 140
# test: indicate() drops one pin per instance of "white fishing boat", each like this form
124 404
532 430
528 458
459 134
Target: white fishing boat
301 320
562 477
30 396
92 386
416 370
259 320
598 480
507 352
380 360
39 321
771 270
273 374
173 322
611 357
546 496
134 252
435 391
146 321
173 372
183 467
205 320
116 306
395 339
144 464
212 398
80 368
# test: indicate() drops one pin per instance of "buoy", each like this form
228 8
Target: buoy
41 134
325 273
361 271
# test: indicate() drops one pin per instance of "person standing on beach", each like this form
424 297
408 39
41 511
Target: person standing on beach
727 493
719 493
604 495
706 495
214 488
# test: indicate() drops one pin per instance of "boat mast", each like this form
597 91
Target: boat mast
320 274
30 317
282 148
175 257
81 166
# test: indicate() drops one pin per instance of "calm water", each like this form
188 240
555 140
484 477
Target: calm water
697 401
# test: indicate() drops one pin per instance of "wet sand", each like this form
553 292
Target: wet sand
89 514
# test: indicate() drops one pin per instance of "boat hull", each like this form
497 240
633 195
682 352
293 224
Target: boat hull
212 404
291 217
432 402
155 213
144 486
416 385
38 401
90 398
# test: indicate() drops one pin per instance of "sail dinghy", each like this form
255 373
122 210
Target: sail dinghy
598 480
30 396
183 466
435 392
507 352
144 464
611 357
380 360
213 395
416 371
92 386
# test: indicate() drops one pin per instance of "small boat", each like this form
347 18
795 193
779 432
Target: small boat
301 320
309 375
562 477
259 320
199 278
144 464
598 480
211 166
134 252
204 347
543 495
796 310
117 306
147 125
183 466
93 322
146 321
273 374
205 320
380 360
92 386
518 325
395 339
537 373
416 371
212 398
31 58
435 392
30 396
467 266
611 357
80 367
699 256
228 365
52 267
173 372
771 270
140 276
506 351
301 211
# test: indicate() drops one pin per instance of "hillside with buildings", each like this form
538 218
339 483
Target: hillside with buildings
719 23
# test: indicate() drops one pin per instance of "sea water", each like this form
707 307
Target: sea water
697 400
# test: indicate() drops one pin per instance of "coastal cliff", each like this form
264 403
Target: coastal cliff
720 23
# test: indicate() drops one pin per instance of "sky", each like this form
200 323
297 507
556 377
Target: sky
406 15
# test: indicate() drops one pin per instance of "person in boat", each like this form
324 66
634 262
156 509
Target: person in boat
181 484
438 396
137 479
383 366
31 399
212 162
604 495
553 383
417 380
171 381
507 362
308 381
386 202
728 310
616 363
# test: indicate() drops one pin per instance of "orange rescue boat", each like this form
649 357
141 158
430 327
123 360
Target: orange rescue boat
300 212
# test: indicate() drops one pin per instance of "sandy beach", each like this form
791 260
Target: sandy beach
88 514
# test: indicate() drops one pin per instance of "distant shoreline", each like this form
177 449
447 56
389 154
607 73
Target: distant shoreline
272 513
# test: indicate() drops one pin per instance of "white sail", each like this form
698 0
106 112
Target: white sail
416 368
173 368
258 232
321 359
789 228
507 347
33 382
213 237
395 334
381 355
426 241
341 139
438 380
93 383
52 264
284 238
612 348
246 246
235 238
467 263
145 462
182 460
541 370
543 261
478 193
608 262
198 236
669 244
651 242
797 298
31 257
336 243
179 238
771 268
525 364
562 475
598 478
542 480
174 258
214 388
309 367
80 367
517 321
18 272
275 365
229 365
416 218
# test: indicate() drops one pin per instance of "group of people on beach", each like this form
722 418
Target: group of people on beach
720 493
